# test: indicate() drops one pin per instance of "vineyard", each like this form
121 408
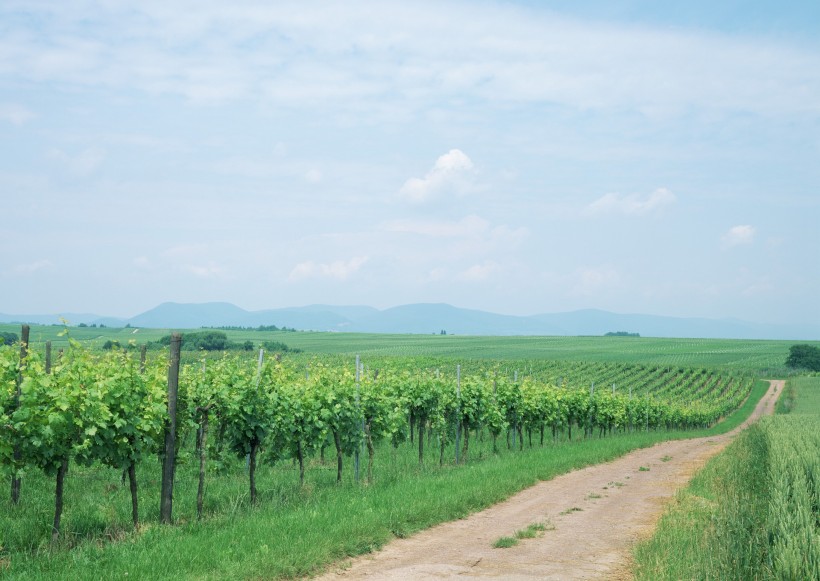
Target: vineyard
312 420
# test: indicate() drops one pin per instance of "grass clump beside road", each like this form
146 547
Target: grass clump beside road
532 531
505 542
298 531
752 512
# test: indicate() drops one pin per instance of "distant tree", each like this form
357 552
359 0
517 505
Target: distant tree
621 334
274 346
82 325
804 357
218 341
7 338
443 332
109 345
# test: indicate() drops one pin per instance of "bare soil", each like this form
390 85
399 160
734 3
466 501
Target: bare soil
598 513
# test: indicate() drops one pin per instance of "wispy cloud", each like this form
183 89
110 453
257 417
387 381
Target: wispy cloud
81 164
590 281
632 204
15 114
208 270
142 262
739 236
451 172
478 272
338 270
468 226
313 176
31 267
358 54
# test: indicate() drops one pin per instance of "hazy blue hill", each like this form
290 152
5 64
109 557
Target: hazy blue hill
54 319
435 317
302 318
350 313
190 316
428 318
315 317
597 322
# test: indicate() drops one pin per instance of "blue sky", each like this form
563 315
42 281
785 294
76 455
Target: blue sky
517 157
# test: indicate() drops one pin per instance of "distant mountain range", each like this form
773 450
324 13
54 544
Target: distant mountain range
429 318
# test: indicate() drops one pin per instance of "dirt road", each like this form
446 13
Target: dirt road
598 514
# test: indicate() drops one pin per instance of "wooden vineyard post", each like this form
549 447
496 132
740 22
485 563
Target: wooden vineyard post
15 479
61 472
458 411
169 458
143 349
515 415
48 357
358 408
259 367
588 429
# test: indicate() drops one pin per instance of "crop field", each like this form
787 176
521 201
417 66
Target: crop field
758 355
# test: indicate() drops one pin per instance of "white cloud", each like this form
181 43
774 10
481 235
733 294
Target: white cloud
452 171
478 272
338 270
739 236
632 204
207 270
15 114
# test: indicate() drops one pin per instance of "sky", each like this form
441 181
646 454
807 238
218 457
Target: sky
516 157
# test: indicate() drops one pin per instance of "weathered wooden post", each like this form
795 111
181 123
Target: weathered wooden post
169 458
458 411
15 479
48 357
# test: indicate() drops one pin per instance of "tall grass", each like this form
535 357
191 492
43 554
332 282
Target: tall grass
752 512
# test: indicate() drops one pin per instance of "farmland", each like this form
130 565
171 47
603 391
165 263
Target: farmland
755 355
309 438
